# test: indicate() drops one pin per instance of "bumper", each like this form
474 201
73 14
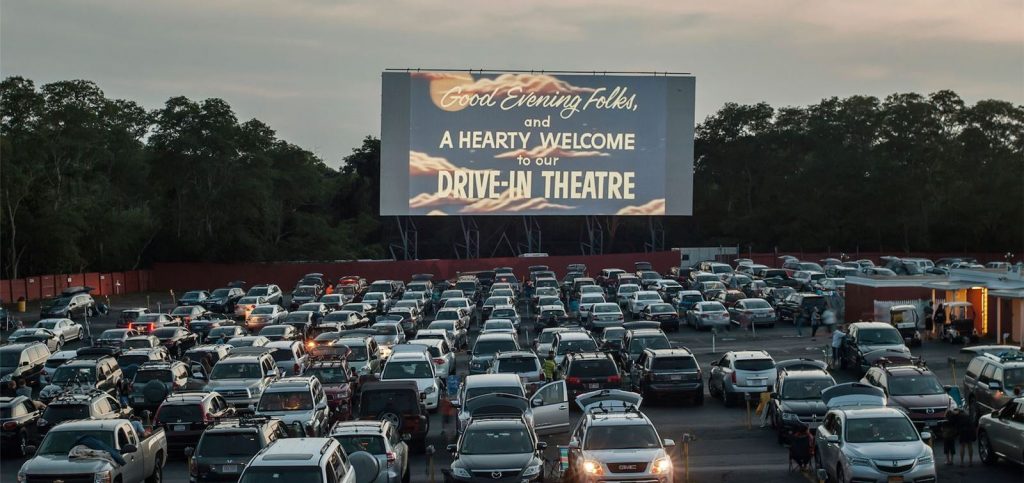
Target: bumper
747 389
868 474
676 387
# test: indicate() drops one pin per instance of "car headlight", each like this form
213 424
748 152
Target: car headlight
591 467
460 472
860 462
430 390
102 477
924 460
661 466
531 470
790 417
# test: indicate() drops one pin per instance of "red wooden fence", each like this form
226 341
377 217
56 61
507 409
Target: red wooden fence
46 286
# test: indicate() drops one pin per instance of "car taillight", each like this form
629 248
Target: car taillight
10 426
614 379
296 369
572 380
734 378
391 457
438 360
150 327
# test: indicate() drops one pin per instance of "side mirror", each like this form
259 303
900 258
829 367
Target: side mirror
537 402
926 435
668 443
541 446
452 448
832 438
455 403
189 451
129 448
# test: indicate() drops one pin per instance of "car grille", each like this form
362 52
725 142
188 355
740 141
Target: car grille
497 474
79 478
627 467
894 466
233 393
936 411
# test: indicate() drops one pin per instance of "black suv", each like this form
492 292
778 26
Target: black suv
499 449
796 304
668 371
399 403
228 444
18 417
223 300
95 371
184 417
797 401
81 405
916 389
589 371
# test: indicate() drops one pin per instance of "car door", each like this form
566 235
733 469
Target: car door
983 395
827 451
551 408
133 471
1001 432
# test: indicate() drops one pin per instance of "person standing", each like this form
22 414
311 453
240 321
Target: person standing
950 433
939 320
549 366
815 321
967 434
929 321
837 346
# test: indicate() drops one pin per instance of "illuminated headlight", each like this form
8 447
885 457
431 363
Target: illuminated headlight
102 477
460 472
790 417
592 468
661 466
860 462
531 470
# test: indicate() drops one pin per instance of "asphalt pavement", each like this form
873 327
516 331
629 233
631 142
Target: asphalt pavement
725 446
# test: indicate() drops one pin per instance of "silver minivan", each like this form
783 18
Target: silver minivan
739 373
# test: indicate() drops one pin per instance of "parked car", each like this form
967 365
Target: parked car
486 347
114 338
271 293
524 364
47 337
19 416
185 416
298 401
989 380
194 297
183 315
264 315
242 378
866 342
796 401
671 372
73 302
228 444
753 311
223 300
916 389
663 313
66 329
499 448
147 323
418 368
314 460
177 340
71 406
588 371
245 306
1001 434
399 403
741 373
100 373
156 380
382 440
51 460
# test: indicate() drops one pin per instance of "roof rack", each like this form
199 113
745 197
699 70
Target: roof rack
913 361
1006 356
77 391
243 421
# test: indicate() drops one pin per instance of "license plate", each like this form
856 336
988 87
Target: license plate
677 378
229 469
179 427
593 386
895 479
757 382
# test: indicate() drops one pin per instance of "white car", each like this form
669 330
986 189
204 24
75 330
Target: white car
461 303
498 325
411 366
587 301
625 291
66 329
440 354
639 301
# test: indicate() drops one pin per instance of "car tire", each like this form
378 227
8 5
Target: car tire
985 453
158 470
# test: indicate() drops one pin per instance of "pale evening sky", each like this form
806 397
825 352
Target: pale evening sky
311 68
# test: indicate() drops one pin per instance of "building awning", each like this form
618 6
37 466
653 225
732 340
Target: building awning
950 285
1008 294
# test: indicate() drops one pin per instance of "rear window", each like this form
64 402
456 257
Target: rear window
585 345
358 442
673 363
754 365
283 355
143 377
180 413
593 368
65 412
516 365
221 445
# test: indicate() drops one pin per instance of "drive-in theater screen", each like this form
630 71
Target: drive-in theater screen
466 144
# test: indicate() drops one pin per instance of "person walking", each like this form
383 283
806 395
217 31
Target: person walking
939 320
828 318
23 389
798 322
549 366
815 321
837 346
929 321
950 433
967 434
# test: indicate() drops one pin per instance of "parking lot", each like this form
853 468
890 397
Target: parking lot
725 445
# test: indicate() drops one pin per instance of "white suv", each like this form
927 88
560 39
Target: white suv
414 366
309 460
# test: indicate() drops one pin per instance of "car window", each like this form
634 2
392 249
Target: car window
986 374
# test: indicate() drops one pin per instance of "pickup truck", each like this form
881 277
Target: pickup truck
144 460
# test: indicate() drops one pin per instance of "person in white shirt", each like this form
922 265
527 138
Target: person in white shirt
837 346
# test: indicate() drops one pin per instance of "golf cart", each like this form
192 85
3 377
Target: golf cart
959 325
907 321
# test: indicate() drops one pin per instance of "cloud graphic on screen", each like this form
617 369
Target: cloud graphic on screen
548 151
513 201
653 207
441 75
437 213
535 83
430 200
423 164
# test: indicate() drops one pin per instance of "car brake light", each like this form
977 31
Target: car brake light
438 360
615 379
391 457
10 426
150 327
734 378
572 380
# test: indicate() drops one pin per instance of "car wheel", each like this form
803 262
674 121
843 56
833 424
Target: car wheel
840 477
158 471
985 452
392 418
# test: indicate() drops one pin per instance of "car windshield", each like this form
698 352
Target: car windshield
58 302
673 363
335 374
236 370
283 354
754 364
504 313
165 333
447 315
628 289
47 324
60 442
263 311
691 298
58 413
552 313
515 365
490 347
638 344
879 337
498 325
915 385
274 329
757 304
358 353
258 291
67 374
221 292
407 370
180 413
880 430
145 376
480 391
496 441
593 368
621 437
648 296
805 388
191 295
579 345
661 308
222 445
293 317
216 332
373 401
276 474
303 291
286 401
362 442
385 329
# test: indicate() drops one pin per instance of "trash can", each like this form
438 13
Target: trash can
21 305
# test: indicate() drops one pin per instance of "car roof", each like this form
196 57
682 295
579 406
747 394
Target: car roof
495 336
359 427
294 382
680 352
486 380
515 354
282 344
496 422
408 356
188 397
872 412
750 354
89 424
293 452
872 325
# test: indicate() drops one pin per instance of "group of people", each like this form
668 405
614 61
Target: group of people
815 318
14 388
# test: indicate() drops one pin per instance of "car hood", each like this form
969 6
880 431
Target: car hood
61 465
866 348
804 407
485 462
232 384
645 455
288 417
921 400
885 451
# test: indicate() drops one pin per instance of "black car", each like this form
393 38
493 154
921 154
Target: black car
202 326
800 304
72 302
398 402
223 300
280 332
177 340
194 297
184 416
301 321
664 313
18 417
228 444
668 372
303 294
797 402
497 448
588 371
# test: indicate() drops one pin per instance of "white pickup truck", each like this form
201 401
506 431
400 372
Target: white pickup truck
144 459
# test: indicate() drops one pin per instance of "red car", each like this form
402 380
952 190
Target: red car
330 367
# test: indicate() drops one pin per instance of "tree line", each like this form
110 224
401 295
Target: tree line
91 183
